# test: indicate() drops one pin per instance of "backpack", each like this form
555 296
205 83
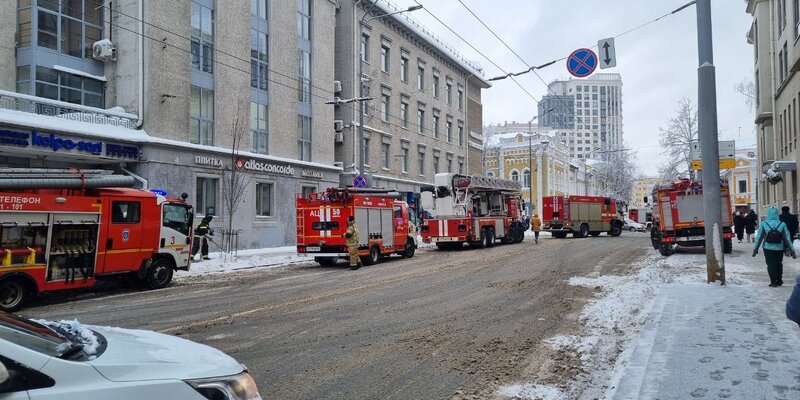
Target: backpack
774 236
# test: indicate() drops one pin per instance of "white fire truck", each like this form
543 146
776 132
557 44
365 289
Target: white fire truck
382 220
471 209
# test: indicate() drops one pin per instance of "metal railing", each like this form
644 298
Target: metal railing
61 109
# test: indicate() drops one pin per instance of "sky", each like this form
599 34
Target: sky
658 62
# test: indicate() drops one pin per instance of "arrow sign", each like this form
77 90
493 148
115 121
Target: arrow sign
608 55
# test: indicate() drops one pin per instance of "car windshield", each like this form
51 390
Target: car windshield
178 217
31 335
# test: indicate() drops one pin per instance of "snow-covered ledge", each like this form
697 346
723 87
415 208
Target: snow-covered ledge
61 109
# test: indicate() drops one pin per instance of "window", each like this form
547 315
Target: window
258 127
460 165
449 165
259 47
264 199
742 186
385 107
421 77
385 155
404 161
24 26
126 212
785 67
305 77
435 124
421 118
304 137
526 178
449 131
202 38
449 91
385 58
366 151
781 15
206 199
71 30
435 164
404 67
308 190
460 133
259 8
364 46
460 97
421 165
304 20
515 176
435 84
201 116
404 112
177 217
56 85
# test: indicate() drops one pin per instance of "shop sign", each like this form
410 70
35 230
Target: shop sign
209 161
311 174
253 165
61 144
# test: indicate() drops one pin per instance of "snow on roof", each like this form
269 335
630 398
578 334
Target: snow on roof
78 72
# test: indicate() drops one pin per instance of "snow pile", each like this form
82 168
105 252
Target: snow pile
529 391
221 263
75 333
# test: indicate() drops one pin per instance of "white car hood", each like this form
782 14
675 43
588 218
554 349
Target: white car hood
136 355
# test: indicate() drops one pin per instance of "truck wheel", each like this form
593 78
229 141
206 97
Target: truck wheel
160 274
326 261
490 239
727 246
520 234
584 231
616 230
13 294
410 248
655 238
373 257
666 249
482 244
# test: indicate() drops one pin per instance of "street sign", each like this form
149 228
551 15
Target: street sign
727 150
581 63
360 181
697 165
608 55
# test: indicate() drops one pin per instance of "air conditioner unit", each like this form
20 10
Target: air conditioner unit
338 125
338 137
104 50
338 164
337 88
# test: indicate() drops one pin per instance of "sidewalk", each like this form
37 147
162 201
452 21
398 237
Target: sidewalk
711 341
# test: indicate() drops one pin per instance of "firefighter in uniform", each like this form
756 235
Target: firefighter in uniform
352 243
201 237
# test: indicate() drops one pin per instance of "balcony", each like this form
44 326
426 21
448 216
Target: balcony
68 111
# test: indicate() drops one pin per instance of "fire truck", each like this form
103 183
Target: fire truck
382 220
471 209
66 230
678 216
581 216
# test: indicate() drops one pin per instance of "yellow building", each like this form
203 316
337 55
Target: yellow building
641 188
742 180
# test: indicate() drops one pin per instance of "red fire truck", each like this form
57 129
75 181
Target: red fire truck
678 216
66 230
471 209
382 220
581 216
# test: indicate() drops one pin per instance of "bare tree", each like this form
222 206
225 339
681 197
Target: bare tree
234 182
677 139
748 89
616 172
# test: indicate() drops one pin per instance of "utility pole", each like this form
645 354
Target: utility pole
707 126
530 167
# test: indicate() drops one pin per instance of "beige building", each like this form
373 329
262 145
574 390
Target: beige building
162 89
743 180
642 188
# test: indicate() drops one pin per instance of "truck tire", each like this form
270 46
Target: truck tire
655 238
520 234
616 230
482 243
326 261
666 249
373 257
490 239
727 246
410 249
14 292
159 275
584 231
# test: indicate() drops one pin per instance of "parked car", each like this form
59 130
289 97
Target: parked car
67 360
634 226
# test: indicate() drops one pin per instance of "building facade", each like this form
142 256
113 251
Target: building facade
178 94
425 115
591 108
743 180
642 188
774 34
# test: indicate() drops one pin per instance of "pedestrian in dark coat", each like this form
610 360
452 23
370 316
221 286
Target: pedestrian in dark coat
793 304
750 223
774 249
738 226
790 220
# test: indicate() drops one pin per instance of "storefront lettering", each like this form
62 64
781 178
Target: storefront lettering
13 138
118 150
311 174
57 143
210 161
253 165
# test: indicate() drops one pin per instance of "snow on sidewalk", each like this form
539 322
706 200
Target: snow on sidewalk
662 332
248 259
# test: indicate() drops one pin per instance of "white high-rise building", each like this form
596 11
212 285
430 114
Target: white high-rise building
588 112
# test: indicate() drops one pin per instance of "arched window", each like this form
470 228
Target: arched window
515 176
490 174
526 178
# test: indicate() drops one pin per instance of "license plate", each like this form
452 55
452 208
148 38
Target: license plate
313 248
696 238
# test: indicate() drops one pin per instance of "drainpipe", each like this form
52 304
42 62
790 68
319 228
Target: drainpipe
140 108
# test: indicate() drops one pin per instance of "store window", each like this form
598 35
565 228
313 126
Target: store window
264 199
206 199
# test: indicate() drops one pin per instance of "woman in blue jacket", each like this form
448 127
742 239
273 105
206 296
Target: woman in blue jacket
775 236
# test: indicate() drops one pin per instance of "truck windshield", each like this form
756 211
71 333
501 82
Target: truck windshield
178 217
31 335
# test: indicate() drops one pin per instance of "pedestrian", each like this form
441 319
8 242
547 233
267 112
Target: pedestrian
775 236
793 304
791 222
201 234
738 225
750 223
352 243
536 226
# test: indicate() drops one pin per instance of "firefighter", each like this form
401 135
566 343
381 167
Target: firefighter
201 234
536 226
352 243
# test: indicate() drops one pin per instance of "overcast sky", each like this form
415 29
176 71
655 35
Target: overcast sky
658 62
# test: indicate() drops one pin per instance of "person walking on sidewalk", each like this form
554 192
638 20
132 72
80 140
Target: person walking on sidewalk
791 222
201 237
750 223
536 226
738 226
352 243
775 236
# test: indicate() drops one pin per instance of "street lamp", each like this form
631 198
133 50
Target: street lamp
361 24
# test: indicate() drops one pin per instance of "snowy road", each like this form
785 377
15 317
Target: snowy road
443 324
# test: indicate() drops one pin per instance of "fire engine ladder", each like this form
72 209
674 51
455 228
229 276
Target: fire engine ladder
26 178
479 184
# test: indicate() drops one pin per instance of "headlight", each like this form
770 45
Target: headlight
236 387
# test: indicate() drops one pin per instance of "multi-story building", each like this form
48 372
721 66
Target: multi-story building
177 94
642 188
743 180
774 34
590 108
426 112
